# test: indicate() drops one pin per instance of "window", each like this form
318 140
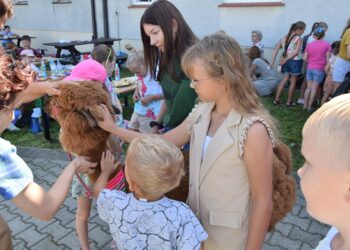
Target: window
248 3
140 3
137 2
252 1
61 1
20 2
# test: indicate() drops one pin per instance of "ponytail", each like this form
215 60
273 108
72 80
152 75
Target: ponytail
286 43
314 26
295 26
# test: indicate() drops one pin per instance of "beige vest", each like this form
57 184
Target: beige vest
219 192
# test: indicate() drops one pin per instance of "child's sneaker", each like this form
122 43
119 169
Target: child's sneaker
12 127
300 101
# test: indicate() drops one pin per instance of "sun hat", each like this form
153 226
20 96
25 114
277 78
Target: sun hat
88 70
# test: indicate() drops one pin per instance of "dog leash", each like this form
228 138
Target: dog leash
117 182
88 191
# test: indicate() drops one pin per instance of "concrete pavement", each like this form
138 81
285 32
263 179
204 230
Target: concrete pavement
297 230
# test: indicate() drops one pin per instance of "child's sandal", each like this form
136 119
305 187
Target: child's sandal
276 102
291 104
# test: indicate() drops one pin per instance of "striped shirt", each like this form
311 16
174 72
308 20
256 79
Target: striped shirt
15 175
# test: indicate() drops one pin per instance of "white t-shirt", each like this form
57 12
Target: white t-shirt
206 143
325 244
138 224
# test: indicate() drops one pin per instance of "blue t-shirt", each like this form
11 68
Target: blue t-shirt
15 175
138 224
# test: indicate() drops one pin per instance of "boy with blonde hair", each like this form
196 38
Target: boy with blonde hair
325 175
145 218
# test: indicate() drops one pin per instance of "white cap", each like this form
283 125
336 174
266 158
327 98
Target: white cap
27 52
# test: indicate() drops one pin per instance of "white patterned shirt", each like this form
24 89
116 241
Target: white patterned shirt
138 224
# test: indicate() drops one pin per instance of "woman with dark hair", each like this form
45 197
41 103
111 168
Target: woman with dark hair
264 77
165 37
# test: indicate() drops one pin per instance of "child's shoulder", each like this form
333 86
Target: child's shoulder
109 194
183 209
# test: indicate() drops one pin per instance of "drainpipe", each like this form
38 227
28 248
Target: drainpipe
93 17
105 19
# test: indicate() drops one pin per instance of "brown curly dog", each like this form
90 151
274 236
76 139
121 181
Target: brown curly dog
77 112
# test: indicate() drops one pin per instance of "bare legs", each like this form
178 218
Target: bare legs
310 94
280 88
293 81
81 221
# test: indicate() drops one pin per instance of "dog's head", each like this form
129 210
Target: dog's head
77 111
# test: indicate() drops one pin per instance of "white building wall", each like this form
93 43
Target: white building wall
53 22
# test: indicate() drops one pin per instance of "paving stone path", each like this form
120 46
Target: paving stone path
297 230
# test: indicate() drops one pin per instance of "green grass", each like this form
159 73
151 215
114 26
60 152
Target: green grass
290 124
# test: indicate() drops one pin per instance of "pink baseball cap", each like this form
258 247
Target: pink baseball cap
88 70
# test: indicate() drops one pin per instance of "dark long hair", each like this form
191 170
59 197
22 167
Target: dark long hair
163 13
295 26
345 29
254 52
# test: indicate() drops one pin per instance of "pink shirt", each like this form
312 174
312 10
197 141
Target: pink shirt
317 51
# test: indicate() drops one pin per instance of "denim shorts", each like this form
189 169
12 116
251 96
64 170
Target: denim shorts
316 75
292 67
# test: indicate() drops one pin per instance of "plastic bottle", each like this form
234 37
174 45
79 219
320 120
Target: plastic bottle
117 72
53 68
59 67
43 73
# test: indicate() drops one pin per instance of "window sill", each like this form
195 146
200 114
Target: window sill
21 3
138 6
252 4
61 2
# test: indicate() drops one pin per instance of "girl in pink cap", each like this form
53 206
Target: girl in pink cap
96 69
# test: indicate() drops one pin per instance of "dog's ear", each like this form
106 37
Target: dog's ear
95 113
89 117
116 110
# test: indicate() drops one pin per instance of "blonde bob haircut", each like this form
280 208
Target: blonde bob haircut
155 165
223 57
135 58
331 124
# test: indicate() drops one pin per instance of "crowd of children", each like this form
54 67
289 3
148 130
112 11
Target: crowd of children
231 175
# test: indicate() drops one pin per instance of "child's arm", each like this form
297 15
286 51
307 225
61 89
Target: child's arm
275 52
306 55
252 70
258 158
297 49
327 67
151 98
107 167
136 95
39 203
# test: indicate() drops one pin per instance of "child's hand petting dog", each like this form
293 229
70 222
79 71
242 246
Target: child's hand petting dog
107 163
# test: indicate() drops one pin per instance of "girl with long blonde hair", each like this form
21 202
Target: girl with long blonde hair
231 139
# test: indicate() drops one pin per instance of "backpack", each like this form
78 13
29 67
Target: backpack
343 88
284 185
